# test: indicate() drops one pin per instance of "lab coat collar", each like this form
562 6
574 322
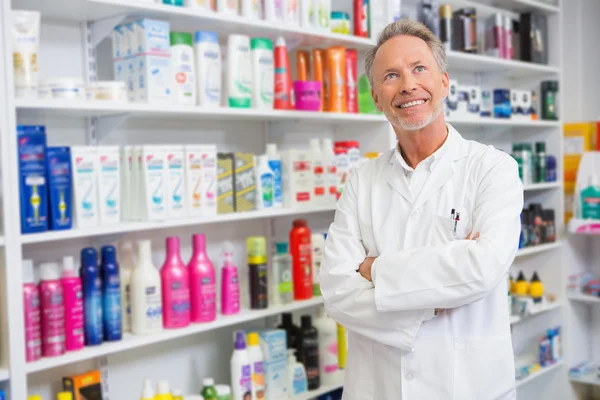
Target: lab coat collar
455 149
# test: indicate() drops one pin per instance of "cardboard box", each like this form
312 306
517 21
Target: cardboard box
502 103
487 104
245 182
451 101
473 102
298 178
276 379
87 386
273 343
225 183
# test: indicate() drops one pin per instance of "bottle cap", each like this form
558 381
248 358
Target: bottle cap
535 277
162 387
540 147
108 255
280 42
89 257
306 321
253 339
181 38
261 43
271 149
371 155
205 36
69 267
287 319
49 271
314 145
521 276
240 341
299 223
208 382
64 396
147 391
28 274
257 249
281 247
223 390
355 144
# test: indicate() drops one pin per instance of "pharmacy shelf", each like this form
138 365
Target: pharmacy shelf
587 379
82 108
512 8
477 63
584 298
515 319
506 123
311 394
539 373
4 375
188 20
127 227
522 6
527 251
542 186
135 341
584 226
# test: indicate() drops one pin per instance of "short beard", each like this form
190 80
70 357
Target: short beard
404 125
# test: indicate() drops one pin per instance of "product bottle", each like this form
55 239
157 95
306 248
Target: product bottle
241 371
330 171
590 199
297 381
178 395
230 283
202 283
265 183
336 70
300 249
184 68
31 305
147 390
208 68
342 165
351 80
328 347
229 7
291 330
274 11
361 18
127 266
73 295
275 165
318 245
283 76
353 147
64 396
257 268
223 392
53 316
239 72
175 283
302 65
283 287
111 294
319 173
342 346
540 162
162 391
91 281
256 363
308 351
320 75
208 391
263 73
146 295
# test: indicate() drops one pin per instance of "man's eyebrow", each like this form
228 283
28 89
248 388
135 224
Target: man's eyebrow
416 63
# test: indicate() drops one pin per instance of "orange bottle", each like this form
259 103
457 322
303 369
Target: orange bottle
336 68
302 65
320 75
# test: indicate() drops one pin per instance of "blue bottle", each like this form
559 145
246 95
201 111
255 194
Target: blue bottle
91 282
111 294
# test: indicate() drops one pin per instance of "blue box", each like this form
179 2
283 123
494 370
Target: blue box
276 379
273 343
33 185
502 106
58 164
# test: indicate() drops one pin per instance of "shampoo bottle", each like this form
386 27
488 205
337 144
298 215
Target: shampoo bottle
73 294
202 283
297 375
53 316
262 68
91 281
319 173
265 183
590 199
162 391
328 347
127 267
111 294
250 9
300 248
241 371
283 77
175 288
31 306
330 171
146 297
239 72
256 364
257 268
183 68
283 287
308 351
275 164
291 330
230 285
208 67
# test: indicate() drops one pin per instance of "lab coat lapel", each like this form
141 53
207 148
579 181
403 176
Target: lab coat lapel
396 179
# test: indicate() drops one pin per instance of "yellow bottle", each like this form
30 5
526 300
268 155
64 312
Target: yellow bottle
342 346
177 395
512 284
34 397
162 391
536 288
521 287
64 396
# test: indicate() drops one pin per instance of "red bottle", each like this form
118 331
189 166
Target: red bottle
300 249
361 11
283 77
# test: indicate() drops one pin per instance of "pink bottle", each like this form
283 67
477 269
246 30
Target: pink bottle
73 295
31 304
230 283
202 283
53 312
175 283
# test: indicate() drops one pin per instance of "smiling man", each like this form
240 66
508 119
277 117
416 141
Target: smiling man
416 260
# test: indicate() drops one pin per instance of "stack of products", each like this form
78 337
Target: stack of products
550 352
584 282
526 298
537 226
534 167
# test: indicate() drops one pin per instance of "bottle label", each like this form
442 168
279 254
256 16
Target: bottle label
33 326
332 179
329 354
180 303
112 313
94 332
53 322
207 299
267 186
234 290
246 381
320 183
258 381
304 253
299 385
74 317
275 166
153 308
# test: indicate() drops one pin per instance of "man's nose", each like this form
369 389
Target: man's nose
408 84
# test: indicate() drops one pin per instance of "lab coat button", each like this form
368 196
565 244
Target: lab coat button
410 376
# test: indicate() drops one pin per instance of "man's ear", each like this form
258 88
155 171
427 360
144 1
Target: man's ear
445 84
376 100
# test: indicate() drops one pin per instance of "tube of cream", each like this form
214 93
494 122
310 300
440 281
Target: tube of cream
336 68
26 44
320 75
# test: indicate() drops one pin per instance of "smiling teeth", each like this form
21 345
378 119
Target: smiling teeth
412 103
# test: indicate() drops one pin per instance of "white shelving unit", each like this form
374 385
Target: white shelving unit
75 30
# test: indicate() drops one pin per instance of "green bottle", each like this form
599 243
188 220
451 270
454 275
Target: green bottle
590 199
366 105
208 391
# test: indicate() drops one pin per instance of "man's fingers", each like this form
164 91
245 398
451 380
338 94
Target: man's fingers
472 236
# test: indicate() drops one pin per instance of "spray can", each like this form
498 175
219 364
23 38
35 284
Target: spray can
257 267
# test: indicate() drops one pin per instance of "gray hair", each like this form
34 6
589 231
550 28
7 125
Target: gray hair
407 27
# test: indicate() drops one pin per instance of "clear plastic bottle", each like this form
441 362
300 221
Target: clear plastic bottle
283 287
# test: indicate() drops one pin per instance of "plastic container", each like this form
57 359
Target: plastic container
106 91
230 283
257 268
340 22
351 80
175 282
328 347
283 76
263 73
297 381
208 68
127 266
308 351
291 330
73 295
223 392
241 371
239 72
308 95
319 74
319 173
251 9
283 287
202 283
32 314
265 183
257 358
66 88
331 170
318 246
146 295
183 67
111 294
303 65
229 7
300 250
208 389
91 280
275 165
361 18
336 79
53 318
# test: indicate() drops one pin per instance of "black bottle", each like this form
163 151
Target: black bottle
291 330
308 352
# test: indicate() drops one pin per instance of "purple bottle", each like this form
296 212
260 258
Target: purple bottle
202 283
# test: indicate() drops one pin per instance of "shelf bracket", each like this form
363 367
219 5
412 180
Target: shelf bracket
106 124
100 29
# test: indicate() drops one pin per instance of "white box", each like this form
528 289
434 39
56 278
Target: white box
152 63
487 104
119 51
298 176
209 180
129 62
451 102
176 188
526 104
276 379
462 108
473 102
109 185
515 104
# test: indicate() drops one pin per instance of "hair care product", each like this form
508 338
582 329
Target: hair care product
202 282
275 165
464 27
53 317
590 199
208 187
154 173
322 15
208 390
241 371
307 9
283 287
340 22
147 390
342 346
298 177
361 18
445 15
239 72
32 315
291 330
494 36
308 95
111 294
351 80
549 99
308 351
109 185
534 38
302 65
265 183
318 245
256 357
176 187
245 182
540 162
274 11
31 141
336 67
91 280
330 171
342 165
175 282
127 265
320 75
225 183
511 38
193 179
208 68
85 168
263 73
319 173
25 44
146 295
230 283
292 16
59 187
73 296
257 268
283 76
223 392
300 248
251 9
328 347
162 391
229 7
297 381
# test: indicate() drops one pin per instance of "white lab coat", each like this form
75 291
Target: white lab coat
396 349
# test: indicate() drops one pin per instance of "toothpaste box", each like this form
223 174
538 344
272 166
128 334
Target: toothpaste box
276 379
209 180
225 183
152 50
451 102
473 102
33 185
502 103
245 182
58 161
487 104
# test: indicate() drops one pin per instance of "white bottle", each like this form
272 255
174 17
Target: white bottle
155 183
330 171
275 165
203 5
328 347
147 390
322 15
208 187
208 68
292 16
146 296
229 7
256 357
274 11
84 164
297 381
126 267
283 287
175 182
262 73
126 182
318 166
137 211
193 179
239 72
241 371
109 185
183 68
265 183
162 389
307 8
251 9
317 242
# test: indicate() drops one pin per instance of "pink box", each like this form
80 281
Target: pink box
308 95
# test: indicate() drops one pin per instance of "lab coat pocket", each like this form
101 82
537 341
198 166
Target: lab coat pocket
442 232
484 369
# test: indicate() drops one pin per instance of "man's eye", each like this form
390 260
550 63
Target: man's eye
420 68
391 75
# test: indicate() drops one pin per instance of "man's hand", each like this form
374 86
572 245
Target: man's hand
365 268
475 236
